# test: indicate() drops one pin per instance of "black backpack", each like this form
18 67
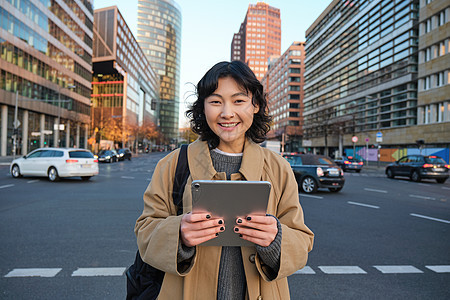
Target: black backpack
143 280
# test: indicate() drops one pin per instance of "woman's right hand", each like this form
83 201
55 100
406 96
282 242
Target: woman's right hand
197 228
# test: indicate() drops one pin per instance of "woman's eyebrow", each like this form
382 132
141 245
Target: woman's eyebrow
234 95
240 94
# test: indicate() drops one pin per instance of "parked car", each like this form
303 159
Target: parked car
316 171
349 163
124 153
55 163
107 156
418 167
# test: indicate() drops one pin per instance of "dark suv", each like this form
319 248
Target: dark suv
316 171
418 167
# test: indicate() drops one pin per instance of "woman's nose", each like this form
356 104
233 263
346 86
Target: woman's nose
227 112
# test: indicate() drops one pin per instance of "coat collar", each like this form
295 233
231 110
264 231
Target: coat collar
201 167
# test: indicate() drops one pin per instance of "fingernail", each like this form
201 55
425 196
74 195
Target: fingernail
239 220
220 222
217 234
222 229
208 216
236 229
240 235
249 218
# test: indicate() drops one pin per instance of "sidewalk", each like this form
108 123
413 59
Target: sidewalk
6 160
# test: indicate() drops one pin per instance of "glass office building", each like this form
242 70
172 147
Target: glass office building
159 35
45 68
361 74
433 113
125 86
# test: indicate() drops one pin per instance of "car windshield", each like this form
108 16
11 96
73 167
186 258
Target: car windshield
434 160
103 152
80 154
294 160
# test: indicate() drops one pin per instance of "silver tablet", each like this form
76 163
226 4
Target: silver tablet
228 200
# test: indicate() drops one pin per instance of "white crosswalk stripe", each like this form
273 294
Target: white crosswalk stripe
439 269
89 272
31 272
342 270
397 269
305 270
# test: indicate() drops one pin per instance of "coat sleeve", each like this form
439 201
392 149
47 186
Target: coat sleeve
297 239
157 229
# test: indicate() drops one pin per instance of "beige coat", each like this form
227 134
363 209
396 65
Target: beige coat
157 229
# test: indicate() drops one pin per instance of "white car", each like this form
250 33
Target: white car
55 163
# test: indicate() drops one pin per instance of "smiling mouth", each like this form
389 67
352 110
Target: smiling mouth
229 125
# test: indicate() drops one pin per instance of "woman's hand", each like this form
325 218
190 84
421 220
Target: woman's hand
197 228
260 230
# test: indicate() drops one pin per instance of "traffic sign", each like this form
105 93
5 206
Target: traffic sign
355 139
367 140
16 123
379 134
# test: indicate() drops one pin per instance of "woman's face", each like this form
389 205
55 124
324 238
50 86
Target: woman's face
229 113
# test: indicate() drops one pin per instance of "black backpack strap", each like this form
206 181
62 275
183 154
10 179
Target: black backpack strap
181 175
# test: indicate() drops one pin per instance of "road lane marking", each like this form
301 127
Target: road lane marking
445 188
430 218
6 186
342 270
33 181
127 177
424 184
362 204
397 269
439 269
311 196
305 270
374 190
422 197
89 272
30 272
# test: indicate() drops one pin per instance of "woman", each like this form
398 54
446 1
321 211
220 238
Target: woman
230 116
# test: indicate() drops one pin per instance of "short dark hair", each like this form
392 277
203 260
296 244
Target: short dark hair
245 78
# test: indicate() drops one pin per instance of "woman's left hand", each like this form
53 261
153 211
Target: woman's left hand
260 230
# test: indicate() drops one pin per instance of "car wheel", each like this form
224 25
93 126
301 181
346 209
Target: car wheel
389 173
335 190
415 176
15 172
357 171
53 174
441 180
309 185
85 178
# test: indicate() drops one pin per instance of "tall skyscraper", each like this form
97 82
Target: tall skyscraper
259 37
361 75
283 84
46 62
125 87
159 35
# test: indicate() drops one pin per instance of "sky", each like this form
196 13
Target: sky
208 27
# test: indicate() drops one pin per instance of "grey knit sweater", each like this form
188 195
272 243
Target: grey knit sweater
232 283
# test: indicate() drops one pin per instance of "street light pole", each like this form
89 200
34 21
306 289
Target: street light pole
15 126
59 117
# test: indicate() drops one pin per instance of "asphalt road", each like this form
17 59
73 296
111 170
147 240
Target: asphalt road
377 238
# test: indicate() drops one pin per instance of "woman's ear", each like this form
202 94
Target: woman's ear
255 109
